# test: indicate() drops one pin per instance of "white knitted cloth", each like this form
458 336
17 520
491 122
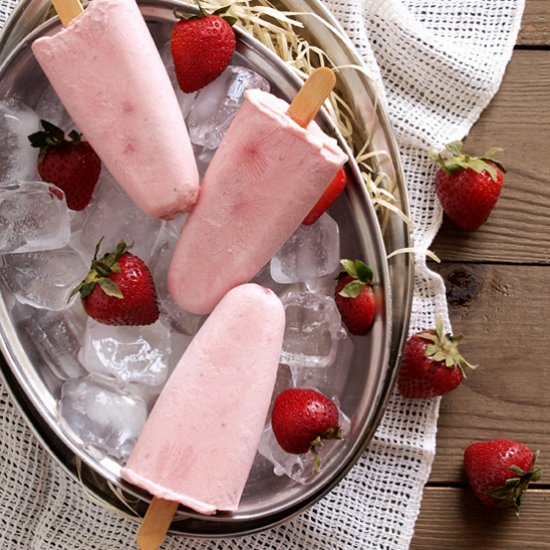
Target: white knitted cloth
440 62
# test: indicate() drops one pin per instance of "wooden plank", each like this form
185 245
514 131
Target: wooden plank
535 26
453 518
518 120
503 315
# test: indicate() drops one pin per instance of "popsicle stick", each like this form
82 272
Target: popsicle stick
310 98
67 10
155 524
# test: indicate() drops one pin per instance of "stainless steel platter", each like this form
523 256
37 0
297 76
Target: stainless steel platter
268 500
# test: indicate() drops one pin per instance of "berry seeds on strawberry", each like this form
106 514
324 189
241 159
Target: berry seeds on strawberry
202 46
431 364
468 187
332 192
354 296
119 289
71 164
301 419
499 471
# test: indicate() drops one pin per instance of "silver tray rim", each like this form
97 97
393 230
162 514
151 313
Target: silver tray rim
72 467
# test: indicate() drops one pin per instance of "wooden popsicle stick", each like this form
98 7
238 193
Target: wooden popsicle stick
155 524
67 10
310 98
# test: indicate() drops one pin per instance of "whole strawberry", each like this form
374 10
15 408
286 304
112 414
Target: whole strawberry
468 187
119 289
331 193
202 46
301 419
499 471
431 364
354 296
71 164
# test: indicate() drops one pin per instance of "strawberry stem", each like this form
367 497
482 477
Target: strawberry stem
100 270
444 348
509 496
452 159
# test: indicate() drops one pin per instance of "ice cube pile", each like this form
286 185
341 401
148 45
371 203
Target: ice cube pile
111 376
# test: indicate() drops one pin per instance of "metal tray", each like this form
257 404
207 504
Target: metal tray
266 502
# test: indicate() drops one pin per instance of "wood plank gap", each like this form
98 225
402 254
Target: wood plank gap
541 47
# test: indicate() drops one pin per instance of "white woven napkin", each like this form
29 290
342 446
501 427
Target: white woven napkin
438 63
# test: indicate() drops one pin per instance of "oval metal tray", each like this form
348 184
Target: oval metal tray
266 502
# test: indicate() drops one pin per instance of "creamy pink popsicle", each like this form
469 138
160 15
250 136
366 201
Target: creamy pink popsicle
265 177
199 442
108 74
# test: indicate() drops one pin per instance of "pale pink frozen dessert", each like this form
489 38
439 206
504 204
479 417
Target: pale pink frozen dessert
263 180
108 74
199 442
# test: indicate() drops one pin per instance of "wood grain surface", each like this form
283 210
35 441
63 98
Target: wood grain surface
499 299
535 29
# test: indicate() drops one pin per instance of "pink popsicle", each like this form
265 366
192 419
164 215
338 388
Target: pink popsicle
108 74
199 443
263 180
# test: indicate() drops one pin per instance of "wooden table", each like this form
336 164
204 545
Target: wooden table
498 283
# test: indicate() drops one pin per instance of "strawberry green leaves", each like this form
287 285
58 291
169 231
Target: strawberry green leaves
100 271
444 348
453 159
361 274
51 136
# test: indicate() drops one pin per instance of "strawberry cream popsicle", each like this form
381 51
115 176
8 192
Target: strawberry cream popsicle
199 442
108 73
263 180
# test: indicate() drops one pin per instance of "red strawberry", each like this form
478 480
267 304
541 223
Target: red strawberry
499 471
468 187
302 418
71 165
331 193
431 364
119 289
354 296
202 46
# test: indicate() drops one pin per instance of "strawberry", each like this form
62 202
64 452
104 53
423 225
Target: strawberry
331 193
468 187
202 46
71 165
119 289
354 296
431 364
301 419
499 471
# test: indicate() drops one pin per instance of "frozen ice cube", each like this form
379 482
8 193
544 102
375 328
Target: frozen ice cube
203 157
44 279
18 159
263 278
133 354
58 336
50 108
33 217
101 416
171 315
216 105
312 330
299 467
330 380
114 216
313 251
185 100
